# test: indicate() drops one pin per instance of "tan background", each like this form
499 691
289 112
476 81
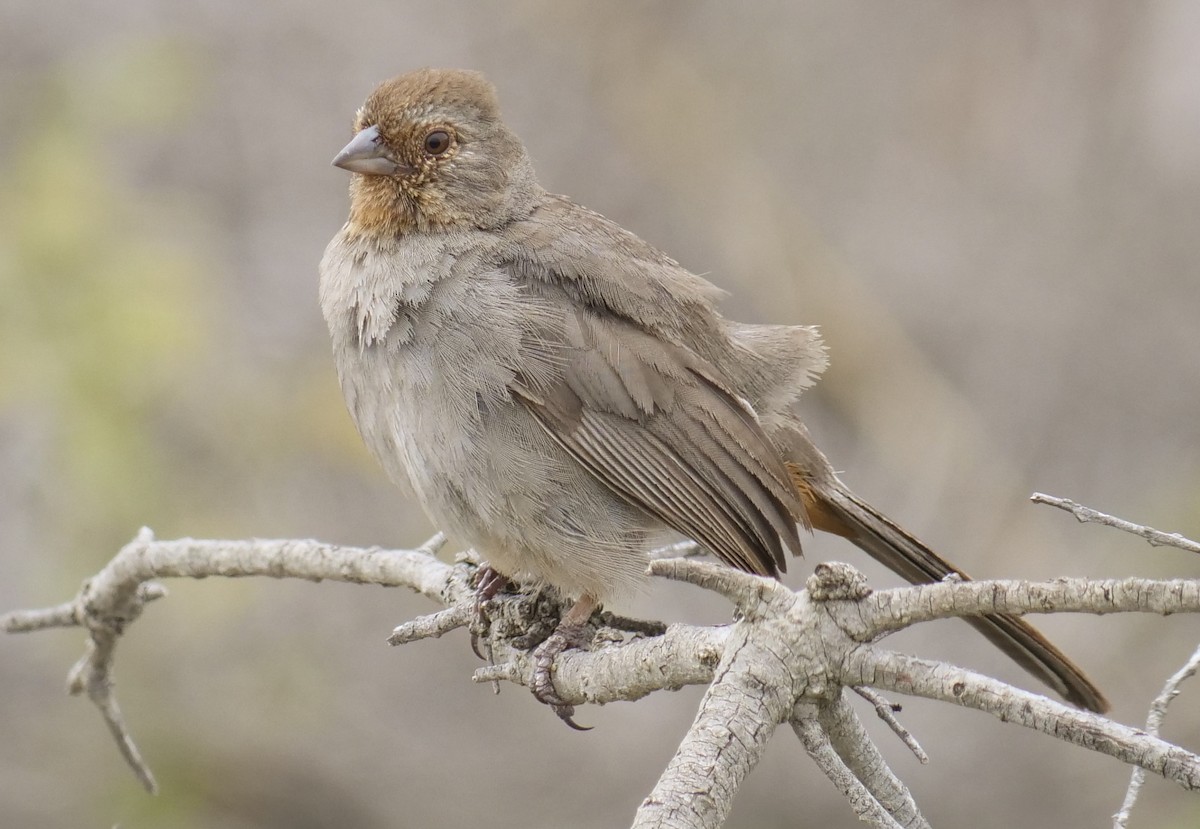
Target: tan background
992 208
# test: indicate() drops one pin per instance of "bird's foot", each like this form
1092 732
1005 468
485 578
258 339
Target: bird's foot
567 635
488 582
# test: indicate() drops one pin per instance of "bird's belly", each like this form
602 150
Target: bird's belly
488 474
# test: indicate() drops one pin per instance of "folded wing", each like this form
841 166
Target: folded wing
663 430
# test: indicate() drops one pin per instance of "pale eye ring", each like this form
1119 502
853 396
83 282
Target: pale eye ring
437 142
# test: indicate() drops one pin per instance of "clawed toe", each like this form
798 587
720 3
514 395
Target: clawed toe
566 636
488 582
572 631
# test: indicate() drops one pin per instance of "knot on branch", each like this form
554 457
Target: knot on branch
523 619
837 581
101 616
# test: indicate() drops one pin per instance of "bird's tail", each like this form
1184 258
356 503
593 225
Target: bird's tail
832 507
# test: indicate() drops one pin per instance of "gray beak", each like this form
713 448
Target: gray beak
367 154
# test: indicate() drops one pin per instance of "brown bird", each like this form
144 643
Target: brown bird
561 395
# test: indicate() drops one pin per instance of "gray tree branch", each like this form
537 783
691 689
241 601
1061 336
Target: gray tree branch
1154 720
815 738
858 751
787 659
1083 514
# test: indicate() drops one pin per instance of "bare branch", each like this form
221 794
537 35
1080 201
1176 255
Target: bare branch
852 743
93 674
26 621
433 625
680 549
816 743
1158 710
684 655
788 658
886 711
1084 514
744 590
891 610
750 695
919 677
434 544
112 599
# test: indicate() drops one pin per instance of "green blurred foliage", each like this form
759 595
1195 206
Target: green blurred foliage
100 306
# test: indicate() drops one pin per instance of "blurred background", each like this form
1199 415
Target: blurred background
993 210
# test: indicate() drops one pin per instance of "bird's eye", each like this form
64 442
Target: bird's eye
437 142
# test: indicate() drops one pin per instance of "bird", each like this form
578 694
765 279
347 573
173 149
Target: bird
564 397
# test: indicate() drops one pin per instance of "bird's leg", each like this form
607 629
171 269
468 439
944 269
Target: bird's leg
572 632
488 582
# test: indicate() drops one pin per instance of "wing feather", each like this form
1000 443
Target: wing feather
657 426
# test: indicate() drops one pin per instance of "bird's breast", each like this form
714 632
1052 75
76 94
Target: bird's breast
426 340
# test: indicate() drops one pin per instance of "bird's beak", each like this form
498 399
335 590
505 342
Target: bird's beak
367 154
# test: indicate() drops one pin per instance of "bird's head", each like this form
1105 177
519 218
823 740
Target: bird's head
431 153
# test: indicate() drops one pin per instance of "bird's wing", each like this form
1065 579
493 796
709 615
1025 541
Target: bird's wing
661 429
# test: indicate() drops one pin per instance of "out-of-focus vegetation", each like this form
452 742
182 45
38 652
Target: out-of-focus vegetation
101 308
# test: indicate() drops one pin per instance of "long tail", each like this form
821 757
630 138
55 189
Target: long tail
834 508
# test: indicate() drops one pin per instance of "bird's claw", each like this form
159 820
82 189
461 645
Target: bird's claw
476 639
565 636
487 583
